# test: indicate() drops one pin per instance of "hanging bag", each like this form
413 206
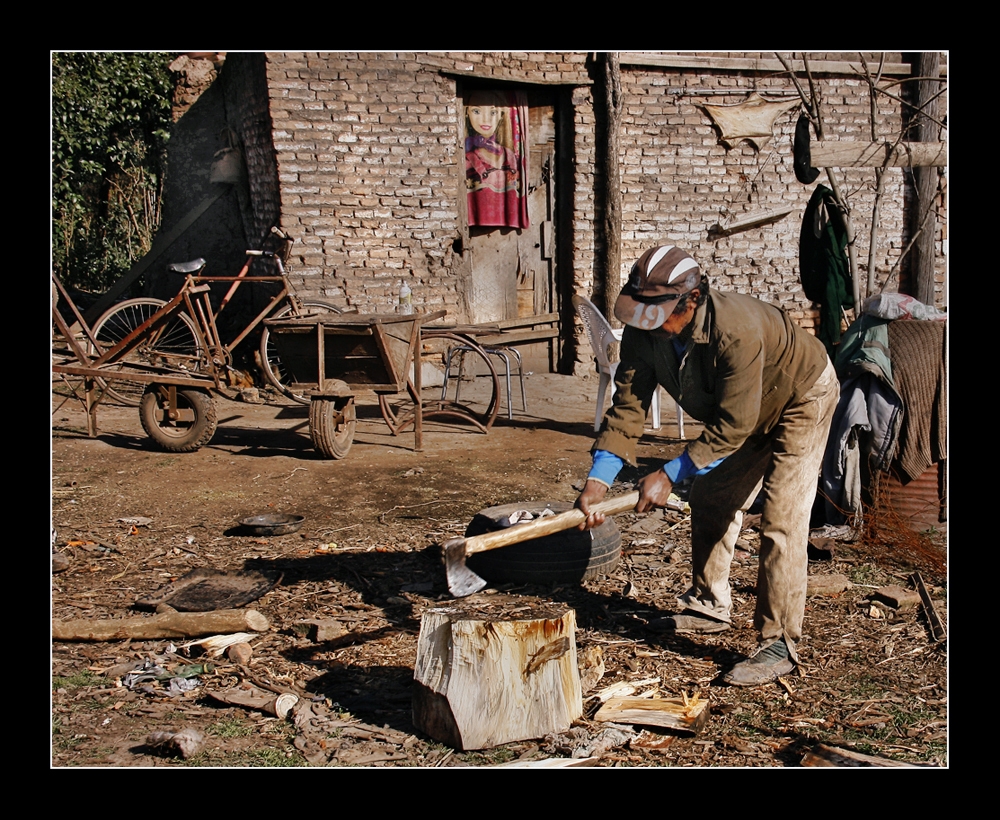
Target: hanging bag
227 164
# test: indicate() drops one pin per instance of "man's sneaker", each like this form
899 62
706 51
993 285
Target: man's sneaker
763 666
690 623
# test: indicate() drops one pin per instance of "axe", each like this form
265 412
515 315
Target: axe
463 581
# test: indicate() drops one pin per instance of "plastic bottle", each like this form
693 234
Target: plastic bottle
405 299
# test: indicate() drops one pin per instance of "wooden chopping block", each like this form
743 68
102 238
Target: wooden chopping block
484 679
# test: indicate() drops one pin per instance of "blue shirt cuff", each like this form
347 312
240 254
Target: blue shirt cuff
682 467
606 467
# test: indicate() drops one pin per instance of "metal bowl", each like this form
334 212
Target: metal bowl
272 524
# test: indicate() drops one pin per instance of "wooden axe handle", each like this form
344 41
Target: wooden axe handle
547 525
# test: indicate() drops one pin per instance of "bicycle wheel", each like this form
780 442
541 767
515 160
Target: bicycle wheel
176 342
270 362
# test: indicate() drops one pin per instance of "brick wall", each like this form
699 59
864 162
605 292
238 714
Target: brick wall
679 180
246 99
366 147
367 157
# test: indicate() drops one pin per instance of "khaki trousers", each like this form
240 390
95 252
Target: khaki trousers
786 464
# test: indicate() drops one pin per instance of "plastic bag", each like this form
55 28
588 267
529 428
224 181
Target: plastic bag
901 306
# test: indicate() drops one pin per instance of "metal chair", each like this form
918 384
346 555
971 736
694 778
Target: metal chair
601 334
503 353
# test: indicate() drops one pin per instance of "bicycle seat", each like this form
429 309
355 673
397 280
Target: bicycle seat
193 266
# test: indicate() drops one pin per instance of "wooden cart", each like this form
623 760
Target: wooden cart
326 355
329 356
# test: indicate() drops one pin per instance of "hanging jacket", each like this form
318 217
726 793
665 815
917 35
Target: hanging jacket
823 265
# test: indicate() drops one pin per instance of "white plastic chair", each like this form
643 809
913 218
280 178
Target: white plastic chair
601 335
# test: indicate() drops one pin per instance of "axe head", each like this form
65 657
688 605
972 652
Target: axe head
462 581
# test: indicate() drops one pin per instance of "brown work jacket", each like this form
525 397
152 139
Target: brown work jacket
745 362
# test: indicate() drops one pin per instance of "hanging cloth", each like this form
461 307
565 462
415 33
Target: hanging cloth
823 266
496 158
804 172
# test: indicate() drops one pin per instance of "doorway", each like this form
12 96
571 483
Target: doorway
511 271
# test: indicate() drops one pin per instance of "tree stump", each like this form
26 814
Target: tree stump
484 678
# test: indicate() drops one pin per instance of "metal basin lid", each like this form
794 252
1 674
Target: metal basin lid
273 523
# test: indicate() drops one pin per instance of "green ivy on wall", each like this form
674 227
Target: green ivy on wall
110 123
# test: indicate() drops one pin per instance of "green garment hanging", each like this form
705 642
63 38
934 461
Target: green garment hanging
823 265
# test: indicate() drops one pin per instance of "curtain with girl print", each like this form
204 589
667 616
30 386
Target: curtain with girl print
496 158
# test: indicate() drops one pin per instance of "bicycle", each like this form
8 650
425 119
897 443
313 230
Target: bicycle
178 339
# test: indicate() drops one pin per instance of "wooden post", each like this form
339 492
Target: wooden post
610 265
483 680
925 179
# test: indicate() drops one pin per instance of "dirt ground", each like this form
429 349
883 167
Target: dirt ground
129 518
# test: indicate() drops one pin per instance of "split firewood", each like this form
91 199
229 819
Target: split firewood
591 667
623 689
548 763
280 706
166 625
684 714
216 644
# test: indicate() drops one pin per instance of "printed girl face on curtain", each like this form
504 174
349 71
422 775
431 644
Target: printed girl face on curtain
496 158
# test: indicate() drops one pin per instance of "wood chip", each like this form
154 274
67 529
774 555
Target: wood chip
669 713
827 584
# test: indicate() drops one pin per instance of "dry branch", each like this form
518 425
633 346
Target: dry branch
829 756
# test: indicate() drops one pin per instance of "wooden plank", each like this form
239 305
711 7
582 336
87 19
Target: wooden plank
833 154
519 337
636 58
528 321
933 619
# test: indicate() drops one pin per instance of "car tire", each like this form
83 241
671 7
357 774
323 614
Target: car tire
570 556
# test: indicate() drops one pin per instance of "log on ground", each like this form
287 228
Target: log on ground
164 625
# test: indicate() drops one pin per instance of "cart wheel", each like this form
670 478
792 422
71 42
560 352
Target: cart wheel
274 371
194 425
332 423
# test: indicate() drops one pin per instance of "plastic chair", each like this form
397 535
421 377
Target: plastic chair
601 335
